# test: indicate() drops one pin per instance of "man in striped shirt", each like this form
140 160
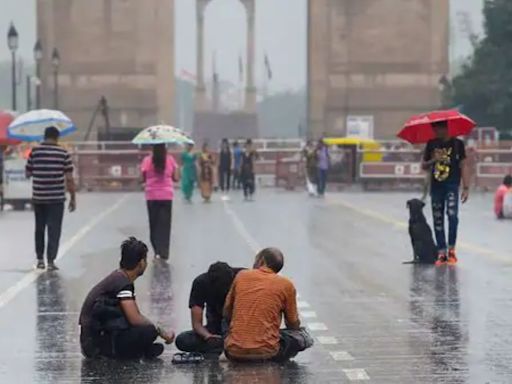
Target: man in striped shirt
51 170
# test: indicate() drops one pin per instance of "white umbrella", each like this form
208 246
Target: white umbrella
30 126
162 134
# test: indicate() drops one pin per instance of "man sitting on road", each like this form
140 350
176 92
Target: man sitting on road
110 320
254 308
208 289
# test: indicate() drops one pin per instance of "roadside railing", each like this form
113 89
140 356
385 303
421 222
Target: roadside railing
115 165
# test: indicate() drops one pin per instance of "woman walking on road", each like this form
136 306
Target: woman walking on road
159 172
206 173
225 159
310 158
188 173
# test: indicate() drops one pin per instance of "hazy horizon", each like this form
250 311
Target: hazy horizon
279 25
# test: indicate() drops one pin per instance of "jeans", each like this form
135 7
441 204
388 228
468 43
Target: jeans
321 180
190 341
249 184
445 198
131 343
237 179
48 216
289 347
160 217
224 179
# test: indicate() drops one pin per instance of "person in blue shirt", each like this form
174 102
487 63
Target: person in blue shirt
237 163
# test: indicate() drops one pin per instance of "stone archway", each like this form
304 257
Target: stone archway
250 89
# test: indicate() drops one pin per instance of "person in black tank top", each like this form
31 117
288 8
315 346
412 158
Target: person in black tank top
225 166
247 170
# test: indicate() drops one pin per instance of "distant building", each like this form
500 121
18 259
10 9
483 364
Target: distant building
374 61
122 49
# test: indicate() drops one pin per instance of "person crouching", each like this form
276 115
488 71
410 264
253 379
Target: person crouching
111 324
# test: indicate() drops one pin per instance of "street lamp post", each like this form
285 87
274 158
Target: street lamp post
12 42
38 56
55 65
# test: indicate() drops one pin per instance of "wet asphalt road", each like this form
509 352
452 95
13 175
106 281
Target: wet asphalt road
375 319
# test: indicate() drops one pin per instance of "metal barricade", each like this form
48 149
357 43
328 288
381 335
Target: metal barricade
398 169
113 167
99 170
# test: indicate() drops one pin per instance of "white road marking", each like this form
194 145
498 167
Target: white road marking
225 198
327 340
58 313
341 356
356 374
317 326
308 314
11 292
352 374
242 230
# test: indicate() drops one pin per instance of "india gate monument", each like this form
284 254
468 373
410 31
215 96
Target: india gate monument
120 49
376 58
379 60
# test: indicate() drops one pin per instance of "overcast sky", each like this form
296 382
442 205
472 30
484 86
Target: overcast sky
281 32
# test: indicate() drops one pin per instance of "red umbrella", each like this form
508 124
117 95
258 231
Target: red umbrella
418 129
6 119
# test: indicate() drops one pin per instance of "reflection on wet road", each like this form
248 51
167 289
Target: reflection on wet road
374 319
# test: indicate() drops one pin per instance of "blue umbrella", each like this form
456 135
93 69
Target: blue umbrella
30 126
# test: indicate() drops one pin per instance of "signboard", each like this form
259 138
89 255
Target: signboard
391 170
16 185
360 126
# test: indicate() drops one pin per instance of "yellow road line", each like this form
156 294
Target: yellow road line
403 225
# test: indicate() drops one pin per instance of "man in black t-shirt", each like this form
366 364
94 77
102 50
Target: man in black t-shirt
208 289
445 157
111 324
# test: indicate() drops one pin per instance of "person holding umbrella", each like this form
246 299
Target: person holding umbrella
159 173
51 169
445 159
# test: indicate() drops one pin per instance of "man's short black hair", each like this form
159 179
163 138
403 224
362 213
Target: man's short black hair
220 276
507 180
440 124
51 133
132 252
273 258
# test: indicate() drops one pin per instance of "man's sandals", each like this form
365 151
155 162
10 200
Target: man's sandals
187 358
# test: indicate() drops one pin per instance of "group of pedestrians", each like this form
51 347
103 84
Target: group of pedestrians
317 162
232 169
244 311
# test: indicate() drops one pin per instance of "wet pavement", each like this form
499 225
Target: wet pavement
374 319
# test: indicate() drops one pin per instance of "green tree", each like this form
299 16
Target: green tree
484 86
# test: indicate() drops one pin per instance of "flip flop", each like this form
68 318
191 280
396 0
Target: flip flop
187 358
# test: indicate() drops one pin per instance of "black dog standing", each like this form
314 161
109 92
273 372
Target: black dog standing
423 245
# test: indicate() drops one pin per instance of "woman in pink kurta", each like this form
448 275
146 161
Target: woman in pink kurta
159 172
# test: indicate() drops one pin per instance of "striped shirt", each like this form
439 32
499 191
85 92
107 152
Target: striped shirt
48 165
257 301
